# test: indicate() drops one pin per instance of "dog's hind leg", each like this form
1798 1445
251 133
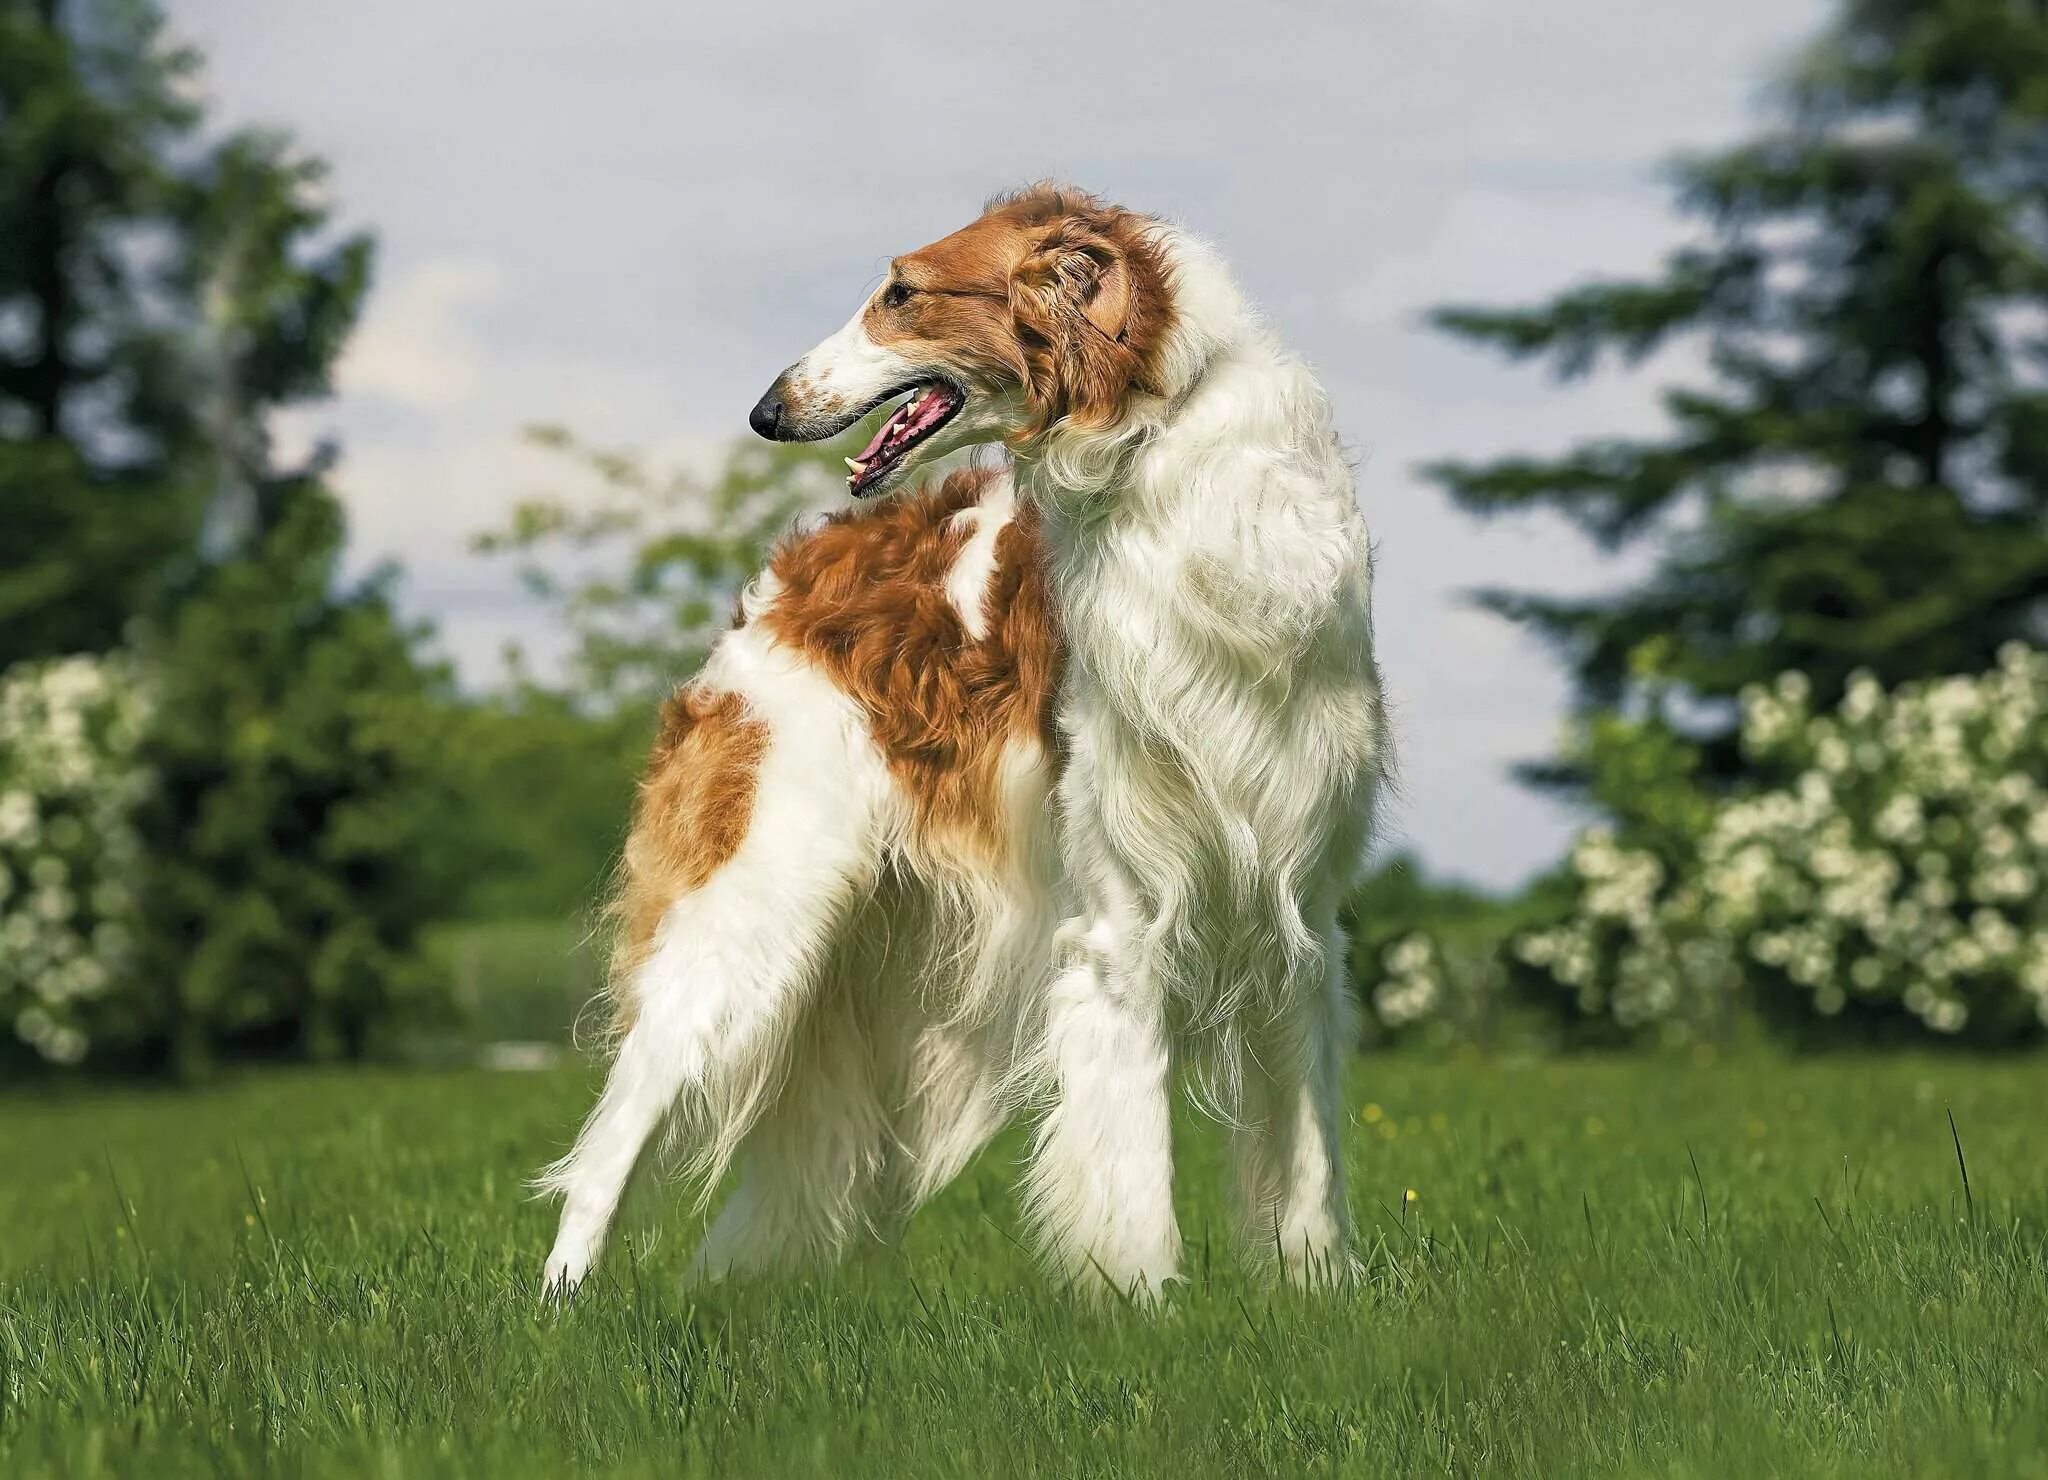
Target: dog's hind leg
952 1102
811 1169
734 960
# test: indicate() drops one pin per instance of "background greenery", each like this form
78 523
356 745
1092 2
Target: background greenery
1853 490
1852 498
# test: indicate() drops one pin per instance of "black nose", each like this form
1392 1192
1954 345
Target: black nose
766 417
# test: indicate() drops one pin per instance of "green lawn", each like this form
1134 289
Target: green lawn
1609 1268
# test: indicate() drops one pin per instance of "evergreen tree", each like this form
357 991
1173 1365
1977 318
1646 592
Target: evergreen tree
302 832
162 295
99 492
1863 481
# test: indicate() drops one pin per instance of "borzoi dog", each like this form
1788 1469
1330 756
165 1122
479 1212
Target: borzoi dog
1046 783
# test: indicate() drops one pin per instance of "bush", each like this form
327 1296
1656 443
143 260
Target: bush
1626 955
304 829
229 841
70 781
1427 958
1887 870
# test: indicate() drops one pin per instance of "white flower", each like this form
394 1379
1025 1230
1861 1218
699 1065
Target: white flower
1863 698
1906 861
1411 953
1901 820
1946 1015
70 777
17 819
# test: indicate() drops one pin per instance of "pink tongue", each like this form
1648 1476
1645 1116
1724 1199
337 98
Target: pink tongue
931 409
907 419
881 436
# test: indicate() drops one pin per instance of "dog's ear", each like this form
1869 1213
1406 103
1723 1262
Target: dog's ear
1074 299
1106 295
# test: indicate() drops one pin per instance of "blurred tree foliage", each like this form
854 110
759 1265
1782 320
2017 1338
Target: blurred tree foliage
1862 482
101 477
642 571
302 831
643 568
162 293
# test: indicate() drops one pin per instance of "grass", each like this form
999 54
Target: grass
1610 1268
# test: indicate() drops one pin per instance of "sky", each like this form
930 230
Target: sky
628 221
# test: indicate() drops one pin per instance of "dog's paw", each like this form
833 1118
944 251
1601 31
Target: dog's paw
565 1271
1324 1270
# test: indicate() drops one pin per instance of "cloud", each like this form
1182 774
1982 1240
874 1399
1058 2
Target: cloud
419 346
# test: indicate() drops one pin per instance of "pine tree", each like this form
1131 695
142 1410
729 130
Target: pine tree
1863 480
162 295
301 831
100 495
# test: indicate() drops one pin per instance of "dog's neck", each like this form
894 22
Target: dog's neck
1211 318
1212 576
1084 476
1219 499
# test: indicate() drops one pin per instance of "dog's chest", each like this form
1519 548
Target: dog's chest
1222 701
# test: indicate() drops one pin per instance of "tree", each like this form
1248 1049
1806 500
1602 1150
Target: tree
99 488
162 294
644 569
302 830
1862 483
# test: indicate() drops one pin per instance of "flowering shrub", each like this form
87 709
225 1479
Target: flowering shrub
70 781
1897 867
1426 955
1630 952
1438 984
1412 988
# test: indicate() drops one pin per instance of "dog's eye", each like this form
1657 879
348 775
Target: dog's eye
895 296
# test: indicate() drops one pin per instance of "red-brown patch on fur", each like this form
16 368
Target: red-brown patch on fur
1050 291
864 598
696 799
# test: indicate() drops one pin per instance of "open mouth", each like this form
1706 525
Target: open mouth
929 407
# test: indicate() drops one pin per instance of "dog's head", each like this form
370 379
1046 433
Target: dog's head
1045 314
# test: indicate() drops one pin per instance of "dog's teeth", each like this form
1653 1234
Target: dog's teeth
855 468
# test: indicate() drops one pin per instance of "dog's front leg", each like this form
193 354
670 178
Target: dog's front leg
1289 1153
1100 1188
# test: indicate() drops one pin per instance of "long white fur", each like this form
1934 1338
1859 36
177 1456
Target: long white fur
1225 748
734 961
835 1012
1226 744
